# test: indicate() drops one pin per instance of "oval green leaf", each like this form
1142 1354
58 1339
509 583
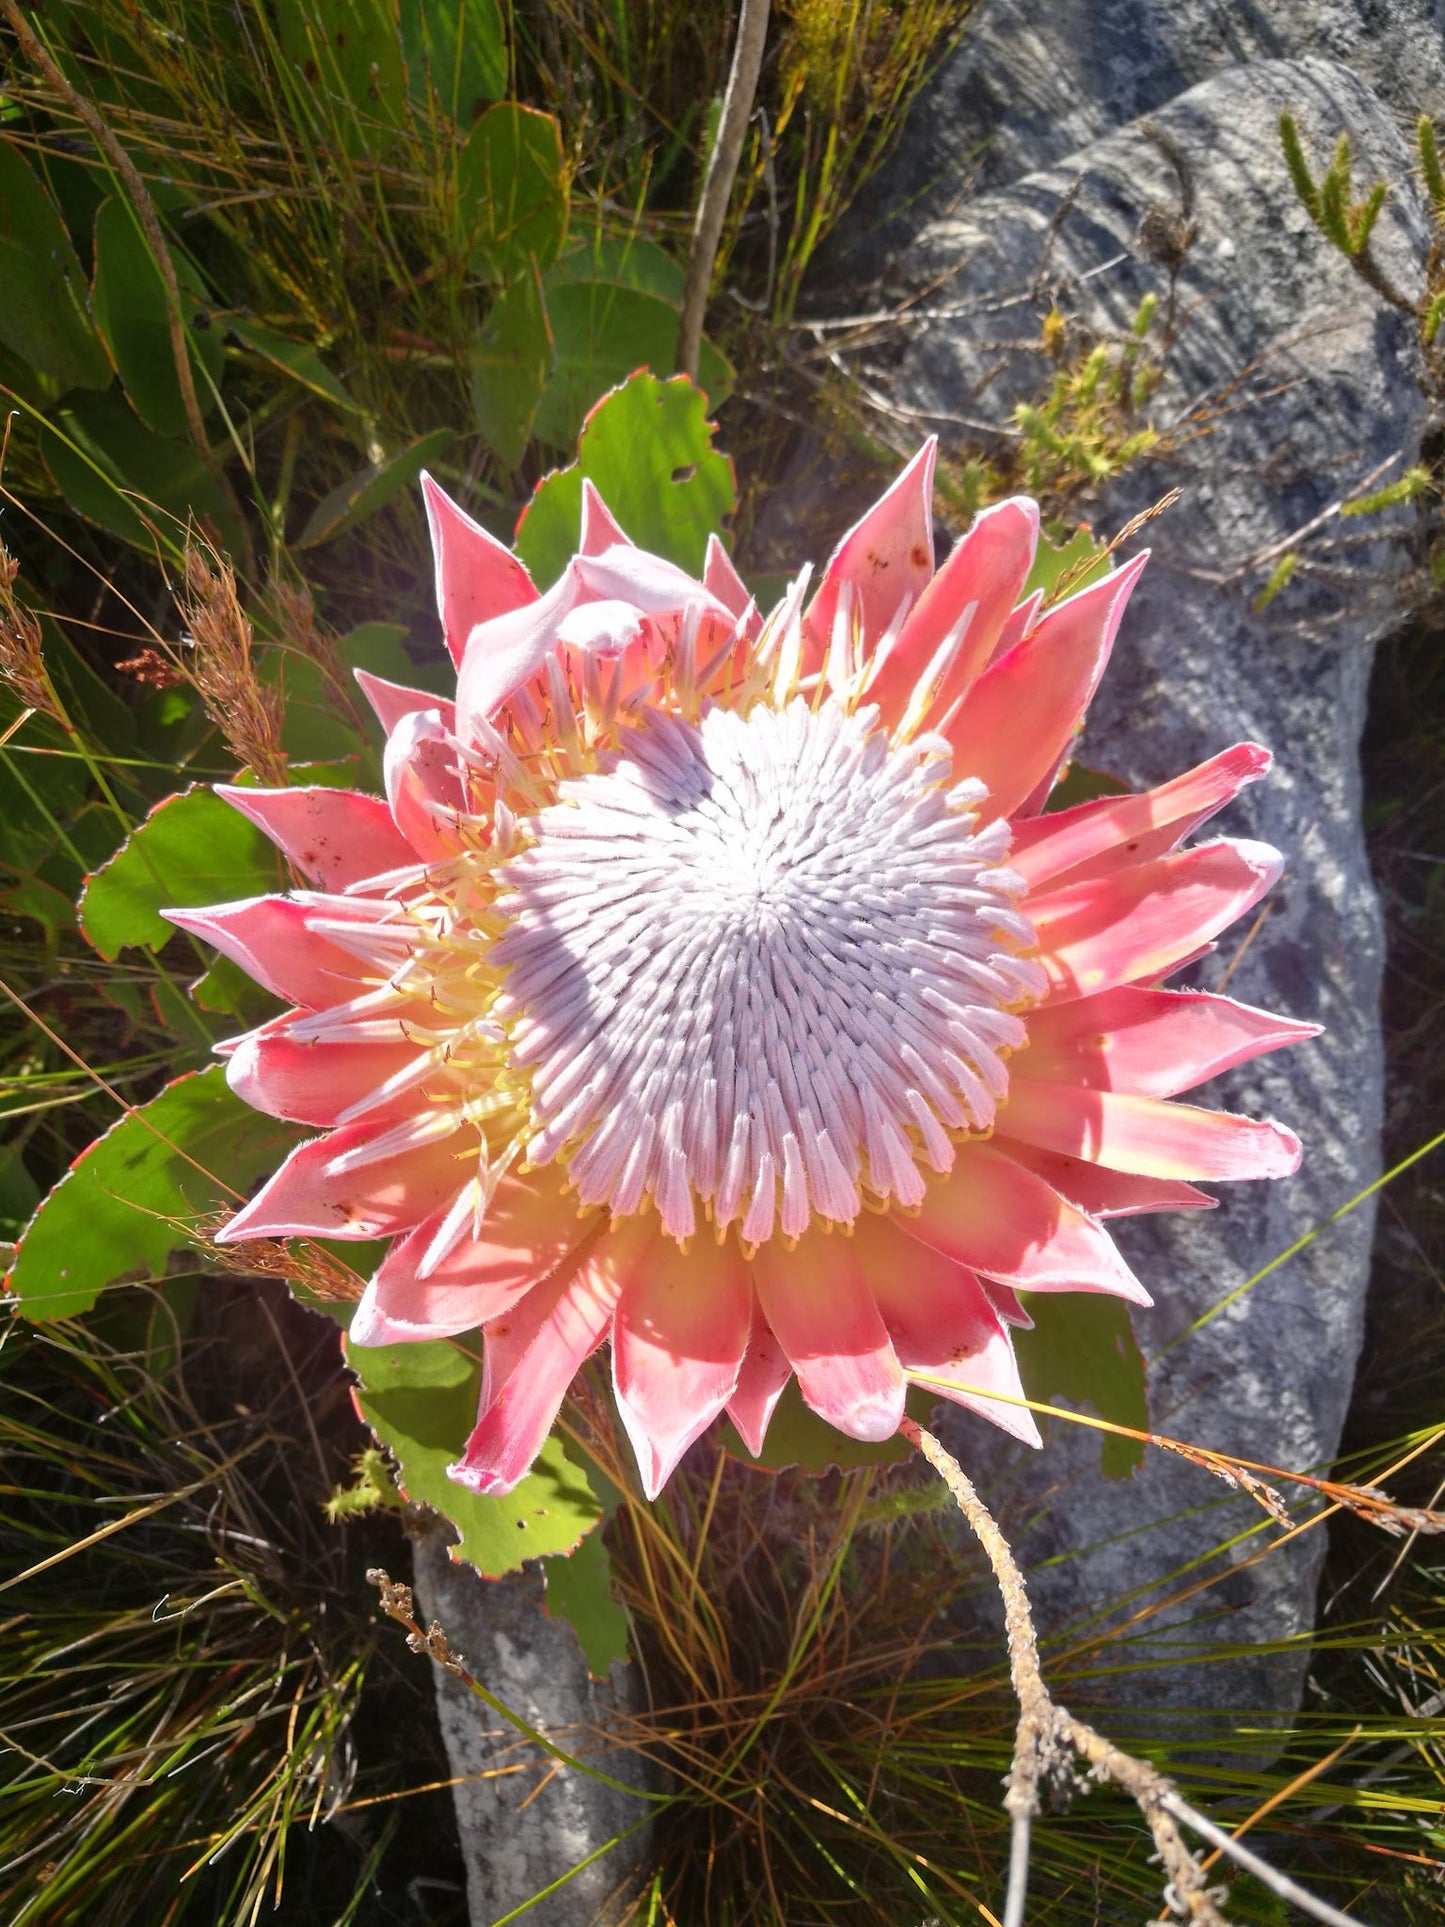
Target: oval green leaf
192 849
512 191
134 1196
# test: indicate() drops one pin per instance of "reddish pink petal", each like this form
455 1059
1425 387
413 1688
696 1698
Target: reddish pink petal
424 786
977 587
599 528
335 837
1017 723
270 939
309 1197
944 1329
1154 1043
678 1341
1147 1135
477 577
507 651
528 1231
992 1215
817 1300
1104 1194
765 1371
311 1083
533 1353
393 700
886 556
1140 923
726 586
1104 835
1019 623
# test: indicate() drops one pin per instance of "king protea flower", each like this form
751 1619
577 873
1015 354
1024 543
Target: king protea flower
712 985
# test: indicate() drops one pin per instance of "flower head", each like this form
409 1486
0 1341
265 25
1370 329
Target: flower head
713 984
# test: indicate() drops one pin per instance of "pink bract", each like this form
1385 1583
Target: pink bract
690 940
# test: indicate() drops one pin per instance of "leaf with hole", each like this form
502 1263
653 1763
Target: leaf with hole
421 1401
133 1197
647 450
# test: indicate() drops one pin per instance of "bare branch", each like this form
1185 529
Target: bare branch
717 183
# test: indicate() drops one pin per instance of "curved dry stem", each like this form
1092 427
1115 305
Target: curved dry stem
1049 1742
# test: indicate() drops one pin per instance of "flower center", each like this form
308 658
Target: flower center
768 962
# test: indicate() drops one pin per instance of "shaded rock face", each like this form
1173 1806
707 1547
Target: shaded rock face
1034 80
1290 384
517 1840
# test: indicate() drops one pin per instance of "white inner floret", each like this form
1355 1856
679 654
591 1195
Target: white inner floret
768 962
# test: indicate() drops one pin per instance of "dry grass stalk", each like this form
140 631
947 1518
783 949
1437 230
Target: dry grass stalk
222 673
295 1261
22 663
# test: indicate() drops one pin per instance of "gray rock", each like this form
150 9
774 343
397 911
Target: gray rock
516 1840
1308 383
1033 80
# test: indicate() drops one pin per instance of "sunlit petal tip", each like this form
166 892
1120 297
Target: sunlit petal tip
392 701
477 577
600 529
886 556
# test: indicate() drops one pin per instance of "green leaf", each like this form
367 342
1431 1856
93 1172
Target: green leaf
421 1401
132 1197
112 471
1082 554
647 449
460 49
1082 1351
192 849
512 191
1078 784
511 362
602 332
351 51
293 358
579 1590
362 495
43 315
229 992
630 260
128 299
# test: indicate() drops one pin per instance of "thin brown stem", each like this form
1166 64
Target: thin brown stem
717 186
1049 1740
